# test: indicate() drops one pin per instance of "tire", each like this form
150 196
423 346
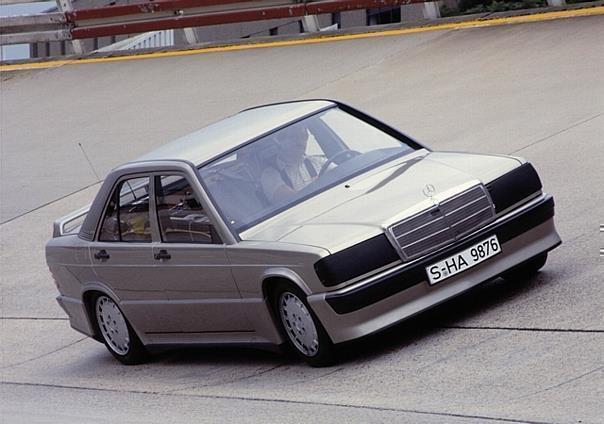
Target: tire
526 269
300 327
116 332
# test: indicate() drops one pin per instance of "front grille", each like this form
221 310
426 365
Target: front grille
444 223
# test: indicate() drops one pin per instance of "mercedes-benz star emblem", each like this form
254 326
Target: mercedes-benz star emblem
429 190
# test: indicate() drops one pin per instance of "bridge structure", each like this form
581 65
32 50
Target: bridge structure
148 23
146 16
524 351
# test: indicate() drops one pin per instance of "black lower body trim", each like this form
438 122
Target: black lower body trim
153 333
408 277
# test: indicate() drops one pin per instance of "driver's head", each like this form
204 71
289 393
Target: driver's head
292 143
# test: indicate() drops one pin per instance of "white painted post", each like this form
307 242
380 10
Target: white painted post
311 23
431 10
190 35
556 2
66 6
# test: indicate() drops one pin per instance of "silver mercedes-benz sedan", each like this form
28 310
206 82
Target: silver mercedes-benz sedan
305 223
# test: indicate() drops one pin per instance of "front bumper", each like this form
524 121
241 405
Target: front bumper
393 295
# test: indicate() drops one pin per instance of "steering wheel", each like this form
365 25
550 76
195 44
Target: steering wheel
346 154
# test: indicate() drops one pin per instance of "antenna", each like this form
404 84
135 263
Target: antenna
131 190
88 160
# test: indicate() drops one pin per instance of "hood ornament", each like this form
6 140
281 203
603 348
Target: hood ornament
429 190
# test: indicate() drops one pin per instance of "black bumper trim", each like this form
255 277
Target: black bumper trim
356 260
408 277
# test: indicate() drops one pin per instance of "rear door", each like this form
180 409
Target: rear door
122 256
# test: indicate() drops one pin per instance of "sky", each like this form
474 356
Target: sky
20 51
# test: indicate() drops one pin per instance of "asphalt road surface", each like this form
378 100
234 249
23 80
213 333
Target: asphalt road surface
526 351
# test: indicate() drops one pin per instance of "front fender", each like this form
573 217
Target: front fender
287 274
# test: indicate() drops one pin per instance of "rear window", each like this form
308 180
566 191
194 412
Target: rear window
126 217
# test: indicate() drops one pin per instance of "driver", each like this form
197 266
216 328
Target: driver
292 169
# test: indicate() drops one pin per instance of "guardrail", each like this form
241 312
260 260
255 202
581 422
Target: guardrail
151 16
69 24
41 27
11 2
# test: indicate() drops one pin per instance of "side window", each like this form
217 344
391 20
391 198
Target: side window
127 215
180 215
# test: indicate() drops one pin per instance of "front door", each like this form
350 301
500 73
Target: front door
192 263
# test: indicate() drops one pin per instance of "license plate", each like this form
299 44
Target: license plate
463 260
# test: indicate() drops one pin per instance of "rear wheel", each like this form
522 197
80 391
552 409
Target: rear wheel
526 269
303 331
118 335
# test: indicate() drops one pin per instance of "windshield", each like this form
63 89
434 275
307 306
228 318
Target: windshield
275 172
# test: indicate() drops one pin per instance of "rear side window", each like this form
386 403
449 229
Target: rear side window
127 215
181 217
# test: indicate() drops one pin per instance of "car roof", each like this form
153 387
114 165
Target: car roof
234 131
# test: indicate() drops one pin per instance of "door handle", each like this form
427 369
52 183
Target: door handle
162 255
102 255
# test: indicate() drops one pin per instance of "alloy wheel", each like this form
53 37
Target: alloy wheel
298 324
113 325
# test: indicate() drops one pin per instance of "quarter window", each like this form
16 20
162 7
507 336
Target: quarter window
127 214
181 217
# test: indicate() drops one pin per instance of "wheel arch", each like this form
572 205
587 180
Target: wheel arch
270 280
88 298
268 285
275 275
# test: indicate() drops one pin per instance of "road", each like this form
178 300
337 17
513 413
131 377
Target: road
526 351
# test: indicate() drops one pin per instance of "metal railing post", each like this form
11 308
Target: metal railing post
66 6
310 23
432 10
190 35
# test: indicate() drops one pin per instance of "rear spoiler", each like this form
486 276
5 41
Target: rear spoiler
70 224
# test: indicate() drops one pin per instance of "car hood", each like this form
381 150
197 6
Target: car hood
365 205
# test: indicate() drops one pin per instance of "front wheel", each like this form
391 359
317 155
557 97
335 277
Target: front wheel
118 336
303 331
